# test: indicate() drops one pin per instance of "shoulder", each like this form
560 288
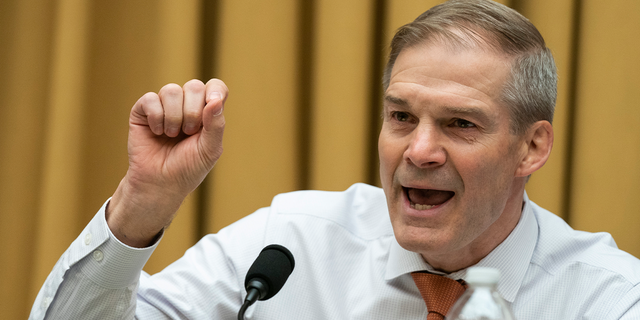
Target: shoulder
586 272
561 248
361 209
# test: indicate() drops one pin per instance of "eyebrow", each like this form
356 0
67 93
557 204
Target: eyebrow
396 100
474 112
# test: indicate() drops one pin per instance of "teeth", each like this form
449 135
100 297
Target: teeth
421 206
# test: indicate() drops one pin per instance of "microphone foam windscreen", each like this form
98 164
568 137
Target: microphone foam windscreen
274 265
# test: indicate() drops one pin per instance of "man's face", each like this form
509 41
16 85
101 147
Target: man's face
447 158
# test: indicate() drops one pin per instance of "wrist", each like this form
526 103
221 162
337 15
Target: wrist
137 216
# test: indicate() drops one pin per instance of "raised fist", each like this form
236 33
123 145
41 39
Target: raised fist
175 139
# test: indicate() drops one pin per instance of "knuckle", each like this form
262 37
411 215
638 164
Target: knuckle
219 85
221 124
148 104
214 81
192 114
172 118
194 85
155 118
170 89
148 98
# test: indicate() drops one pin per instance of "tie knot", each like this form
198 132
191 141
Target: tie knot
438 292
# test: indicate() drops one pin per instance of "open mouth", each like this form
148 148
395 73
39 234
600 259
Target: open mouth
425 199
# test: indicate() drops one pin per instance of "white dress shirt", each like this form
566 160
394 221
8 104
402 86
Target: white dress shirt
348 266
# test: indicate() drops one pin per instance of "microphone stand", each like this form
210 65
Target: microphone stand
256 290
244 307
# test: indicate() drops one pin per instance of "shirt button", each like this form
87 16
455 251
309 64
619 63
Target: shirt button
46 302
98 255
87 238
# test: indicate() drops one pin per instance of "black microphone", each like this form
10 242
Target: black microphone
267 275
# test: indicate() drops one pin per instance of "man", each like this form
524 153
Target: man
468 103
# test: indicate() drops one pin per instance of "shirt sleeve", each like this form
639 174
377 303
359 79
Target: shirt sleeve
628 307
99 277
95 278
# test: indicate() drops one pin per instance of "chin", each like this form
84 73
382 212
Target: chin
425 241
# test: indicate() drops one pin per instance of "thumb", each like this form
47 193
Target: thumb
210 142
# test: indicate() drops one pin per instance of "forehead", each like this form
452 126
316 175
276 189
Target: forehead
473 75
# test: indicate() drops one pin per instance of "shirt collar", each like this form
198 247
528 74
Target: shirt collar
511 257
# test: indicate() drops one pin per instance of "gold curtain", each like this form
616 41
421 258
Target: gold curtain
303 111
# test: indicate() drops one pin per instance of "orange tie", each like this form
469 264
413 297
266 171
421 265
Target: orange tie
438 292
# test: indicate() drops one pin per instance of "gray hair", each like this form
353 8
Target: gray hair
530 91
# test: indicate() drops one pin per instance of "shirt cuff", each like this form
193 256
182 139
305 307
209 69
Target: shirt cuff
112 264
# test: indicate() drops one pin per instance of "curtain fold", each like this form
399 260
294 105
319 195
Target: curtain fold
605 171
25 59
340 94
59 215
302 111
257 59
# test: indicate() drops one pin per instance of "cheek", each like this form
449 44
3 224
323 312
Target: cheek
489 178
485 173
390 155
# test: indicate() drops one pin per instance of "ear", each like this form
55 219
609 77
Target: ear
538 141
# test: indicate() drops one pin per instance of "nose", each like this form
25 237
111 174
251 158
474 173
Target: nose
425 149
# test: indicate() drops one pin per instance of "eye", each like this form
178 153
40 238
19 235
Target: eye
400 116
464 124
